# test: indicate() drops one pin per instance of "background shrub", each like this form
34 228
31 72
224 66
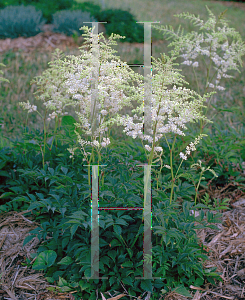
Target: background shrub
20 20
121 22
4 3
68 21
93 9
47 7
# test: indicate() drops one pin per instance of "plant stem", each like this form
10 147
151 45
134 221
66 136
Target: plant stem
55 130
171 165
196 80
198 187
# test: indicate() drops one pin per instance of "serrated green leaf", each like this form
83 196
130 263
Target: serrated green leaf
28 239
84 284
130 252
64 289
35 205
64 242
107 193
106 260
182 291
129 272
112 280
16 189
40 196
62 282
87 272
67 260
121 222
44 260
73 229
51 170
117 229
127 264
64 170
112 254
115 243
146 285
128 281
4 195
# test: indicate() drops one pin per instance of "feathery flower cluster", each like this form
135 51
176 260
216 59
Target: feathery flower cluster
191 147
190 43
170 105
71 150
54 96
113 86
28 106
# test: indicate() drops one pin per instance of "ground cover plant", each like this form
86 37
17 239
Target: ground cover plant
56 188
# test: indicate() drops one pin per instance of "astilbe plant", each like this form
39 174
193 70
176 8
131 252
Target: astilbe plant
2 78
215 38
69 83
176 106
53 96
114 90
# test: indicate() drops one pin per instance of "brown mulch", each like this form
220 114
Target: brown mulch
227 246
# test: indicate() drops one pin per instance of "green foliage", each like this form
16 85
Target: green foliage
222 153
20 20
4 3
90 7
60 198
122 22
69 22
50 7
1 78
218 204
44 260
